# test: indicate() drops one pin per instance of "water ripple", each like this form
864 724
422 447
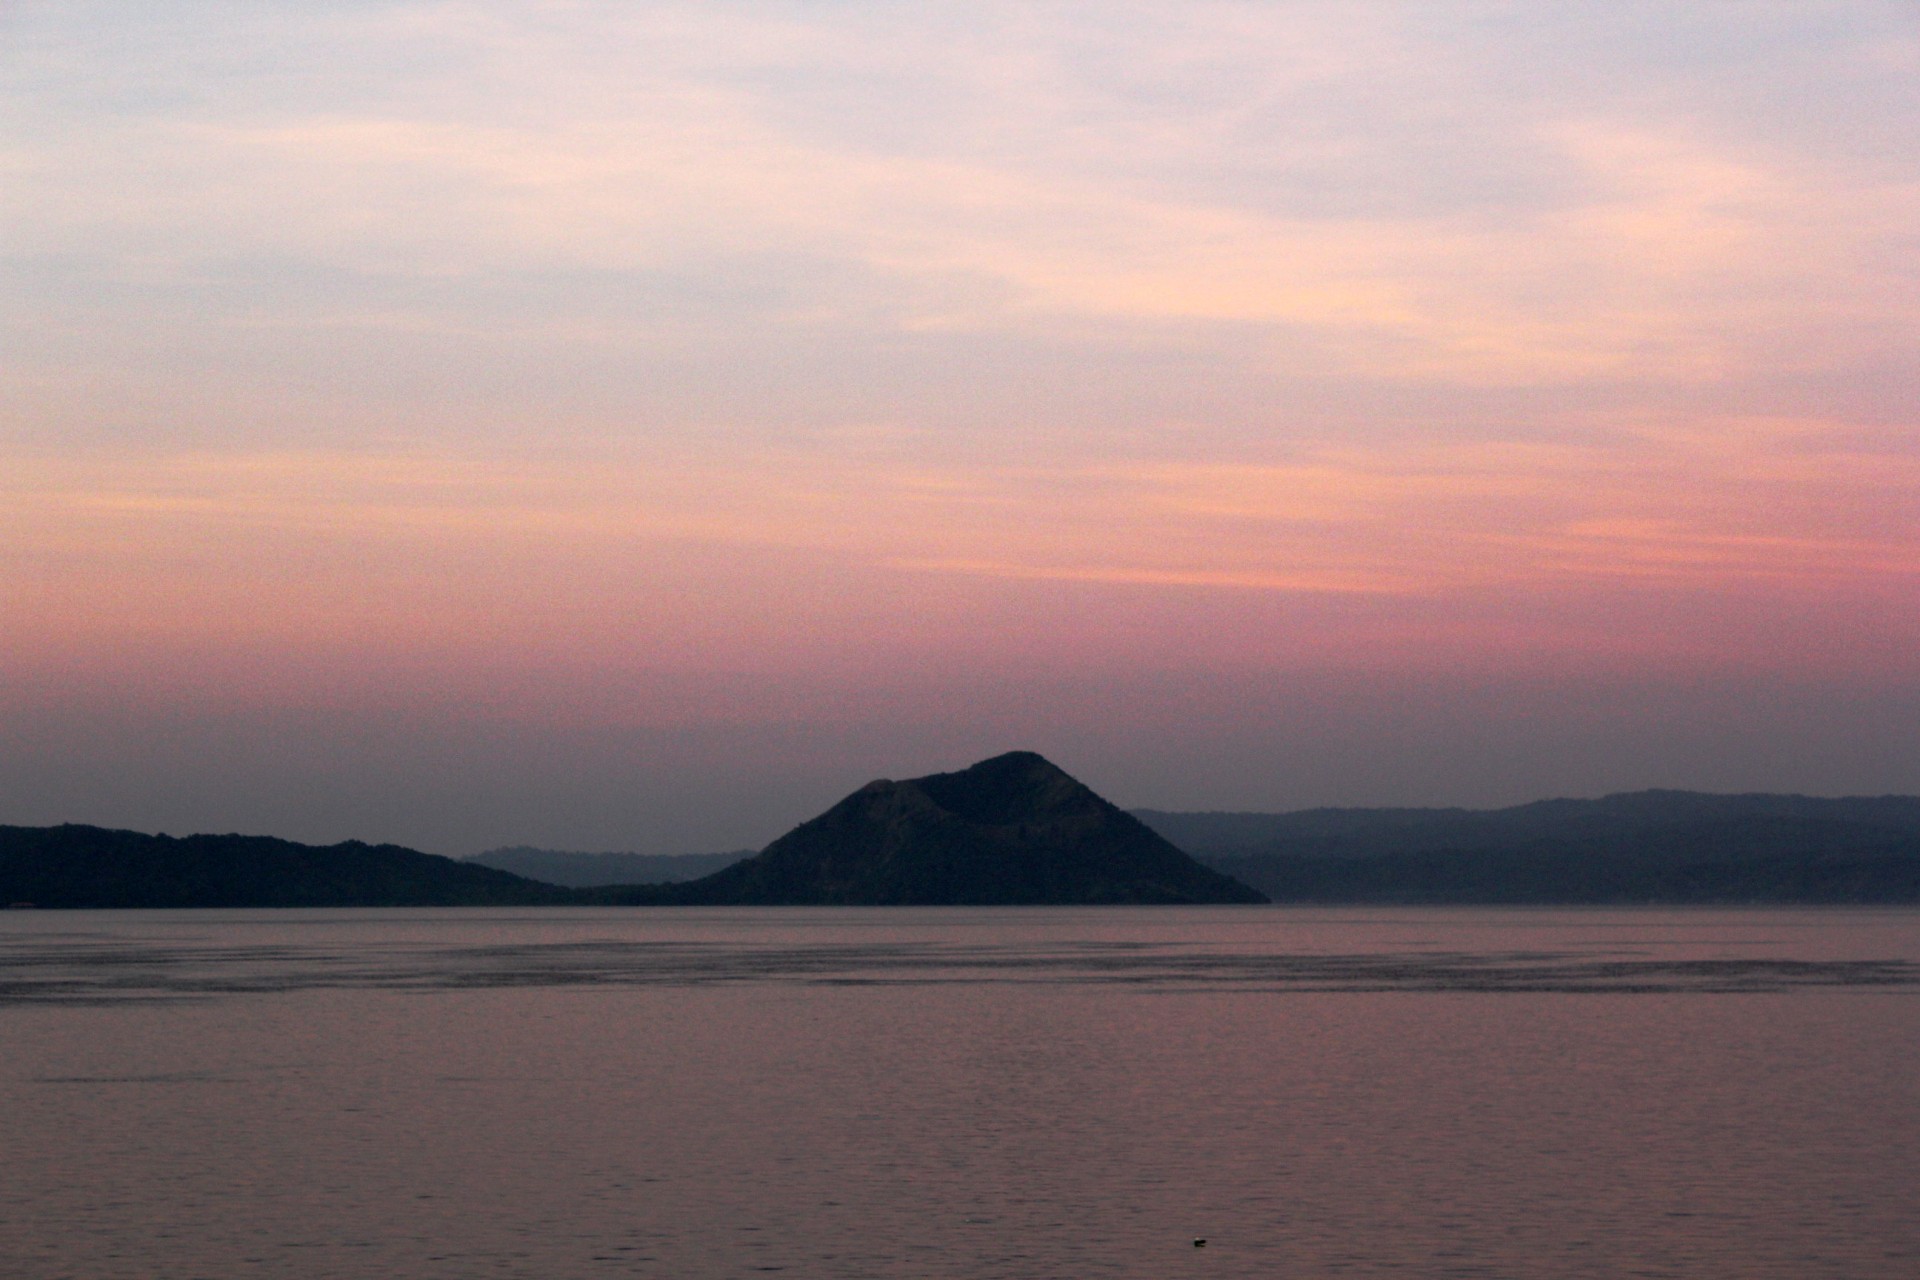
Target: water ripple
105 973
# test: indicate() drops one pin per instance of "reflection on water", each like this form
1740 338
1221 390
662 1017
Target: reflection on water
136 956
960 1093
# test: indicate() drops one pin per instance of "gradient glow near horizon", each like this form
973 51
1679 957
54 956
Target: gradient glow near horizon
636 425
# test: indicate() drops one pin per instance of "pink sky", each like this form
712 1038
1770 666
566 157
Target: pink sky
634 426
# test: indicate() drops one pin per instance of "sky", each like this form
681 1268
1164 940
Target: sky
635 425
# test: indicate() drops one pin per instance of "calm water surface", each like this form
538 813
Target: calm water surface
978 1093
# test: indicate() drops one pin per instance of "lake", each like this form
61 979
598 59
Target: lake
920 1093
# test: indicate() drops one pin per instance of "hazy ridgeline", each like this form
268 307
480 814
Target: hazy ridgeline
1642 846
1693 820
590 870
1646 846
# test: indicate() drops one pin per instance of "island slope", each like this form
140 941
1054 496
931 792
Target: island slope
1014 830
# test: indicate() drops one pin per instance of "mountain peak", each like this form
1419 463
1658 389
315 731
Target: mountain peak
1013 829
1019 786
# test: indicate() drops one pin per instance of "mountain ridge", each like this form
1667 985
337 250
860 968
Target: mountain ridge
1646 846
1014 829
1629 847
78 866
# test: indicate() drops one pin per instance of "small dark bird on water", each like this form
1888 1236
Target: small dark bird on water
1199 1242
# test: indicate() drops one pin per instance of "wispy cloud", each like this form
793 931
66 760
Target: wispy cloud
1043 184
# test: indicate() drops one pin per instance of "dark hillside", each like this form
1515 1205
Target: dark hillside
1619 821
1012 830
1650 846
79 866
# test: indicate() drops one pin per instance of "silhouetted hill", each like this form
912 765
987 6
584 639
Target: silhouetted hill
1015 829
79 866
1648 846
588 870
1012 830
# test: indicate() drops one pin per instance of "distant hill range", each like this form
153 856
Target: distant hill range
588 870
78 866
1643 846
1013 830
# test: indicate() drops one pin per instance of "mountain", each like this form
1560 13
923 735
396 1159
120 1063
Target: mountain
79 866
1647 846
1617 819
1013 830
588 870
